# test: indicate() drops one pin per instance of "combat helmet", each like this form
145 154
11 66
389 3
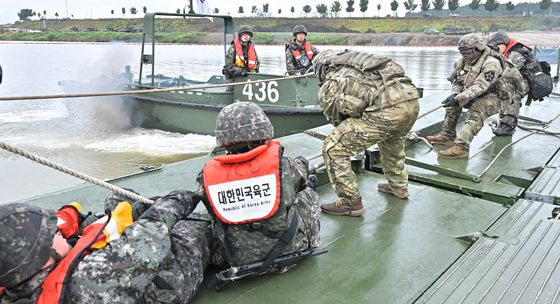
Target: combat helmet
244 29
25 242
498 38
471 41
242 122
299 29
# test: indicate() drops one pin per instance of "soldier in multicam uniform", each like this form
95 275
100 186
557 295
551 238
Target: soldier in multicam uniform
259 200
241 57
369 100
299 52
524 60
475 87
160 258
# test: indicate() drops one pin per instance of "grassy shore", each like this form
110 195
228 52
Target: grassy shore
333 31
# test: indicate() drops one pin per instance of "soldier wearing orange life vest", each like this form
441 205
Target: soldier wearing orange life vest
62 257
241 57
299 52
259 200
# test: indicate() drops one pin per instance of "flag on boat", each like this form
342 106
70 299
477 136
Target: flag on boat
203 7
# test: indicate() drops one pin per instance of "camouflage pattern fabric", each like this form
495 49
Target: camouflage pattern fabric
252 246
388 128
230 69
292 65
242 122
511 89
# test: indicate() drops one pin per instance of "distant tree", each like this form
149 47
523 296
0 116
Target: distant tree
240 10
491 5
144 9
545 4
453 5
378 9
438 4
350 7
394 6
336 8
56 15
216 10
265 8
133 11
292 10
307 9
364 7
123 10
425 5
322 9
45 13
474 5
112 13
510 6
25 13
279 11
39 15
410 5
254 9
178 11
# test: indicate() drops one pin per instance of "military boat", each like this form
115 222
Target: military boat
472 231
290 102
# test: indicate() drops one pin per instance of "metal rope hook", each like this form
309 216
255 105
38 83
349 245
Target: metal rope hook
82 176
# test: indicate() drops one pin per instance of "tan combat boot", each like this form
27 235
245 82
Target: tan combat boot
345 206
398 192
440 139
455 152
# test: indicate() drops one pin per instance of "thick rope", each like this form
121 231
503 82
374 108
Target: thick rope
64 169
146 91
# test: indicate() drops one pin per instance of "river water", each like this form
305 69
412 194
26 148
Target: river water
92 135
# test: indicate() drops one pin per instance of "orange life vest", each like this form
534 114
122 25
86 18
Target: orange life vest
512 43
240 59
68 220
246 187
308 51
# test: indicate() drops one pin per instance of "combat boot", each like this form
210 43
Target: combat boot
345 206
455 152
398 192
504 130
440 139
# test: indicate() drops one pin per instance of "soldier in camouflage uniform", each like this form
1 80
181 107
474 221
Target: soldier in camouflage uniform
160 258
241 57
474 86
252 221
299 52
369 100
524 60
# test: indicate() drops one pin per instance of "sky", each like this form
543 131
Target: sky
102 8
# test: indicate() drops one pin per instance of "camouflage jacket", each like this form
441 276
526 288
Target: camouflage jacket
230 67
524 60
252 245
471 81
356 82
292 66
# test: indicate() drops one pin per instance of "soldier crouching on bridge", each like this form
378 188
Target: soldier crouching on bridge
63 257
369 100
259 201
241 57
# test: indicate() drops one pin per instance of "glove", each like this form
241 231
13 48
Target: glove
312 181
450 101
244 72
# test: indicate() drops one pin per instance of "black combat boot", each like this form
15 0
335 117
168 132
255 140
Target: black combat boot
504 130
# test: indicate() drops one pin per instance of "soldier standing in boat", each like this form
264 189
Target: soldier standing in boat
299 52
259 200
523 59
62 257
241 57
474 87
369 100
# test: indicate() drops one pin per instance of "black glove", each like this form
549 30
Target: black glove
312 181
449 101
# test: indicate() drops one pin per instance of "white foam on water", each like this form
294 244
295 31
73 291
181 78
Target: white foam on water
154 143
35 112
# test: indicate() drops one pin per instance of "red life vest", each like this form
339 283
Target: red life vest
245 187
308 51
512 43
240 59
67 221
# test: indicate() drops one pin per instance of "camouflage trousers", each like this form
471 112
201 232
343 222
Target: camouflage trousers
481 109
509 109
387 128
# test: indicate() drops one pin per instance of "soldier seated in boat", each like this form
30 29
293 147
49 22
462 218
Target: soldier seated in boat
369 100
62 257
299 52
241 57
259 201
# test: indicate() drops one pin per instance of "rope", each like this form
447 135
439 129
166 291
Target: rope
549 54
75 173
144 91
